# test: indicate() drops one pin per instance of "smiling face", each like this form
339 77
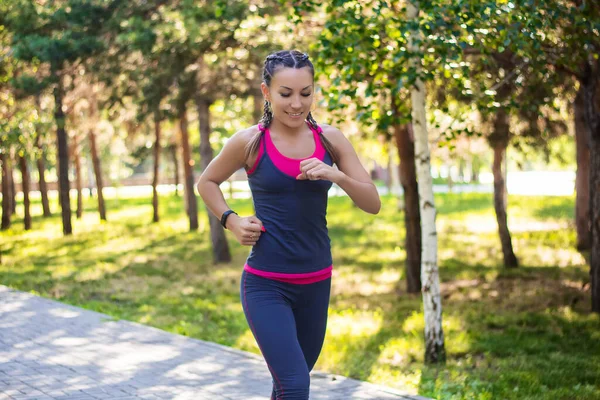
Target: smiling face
291 95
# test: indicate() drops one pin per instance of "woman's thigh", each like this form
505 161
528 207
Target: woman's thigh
311 319
271 320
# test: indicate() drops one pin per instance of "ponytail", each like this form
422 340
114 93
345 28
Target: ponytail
265 121
324 141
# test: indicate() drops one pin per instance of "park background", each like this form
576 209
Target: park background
136 97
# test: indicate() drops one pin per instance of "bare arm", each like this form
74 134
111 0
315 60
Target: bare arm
351 176
229 160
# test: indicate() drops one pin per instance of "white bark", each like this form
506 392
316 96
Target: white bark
432 302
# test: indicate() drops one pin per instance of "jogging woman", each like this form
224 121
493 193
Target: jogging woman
289 158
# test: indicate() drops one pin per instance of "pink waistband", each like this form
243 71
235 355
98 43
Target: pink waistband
301 279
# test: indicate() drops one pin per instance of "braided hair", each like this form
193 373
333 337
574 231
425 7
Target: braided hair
273 62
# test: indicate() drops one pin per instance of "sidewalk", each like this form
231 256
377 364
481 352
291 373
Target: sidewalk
50 350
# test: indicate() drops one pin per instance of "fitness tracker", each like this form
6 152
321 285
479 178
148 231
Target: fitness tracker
225 215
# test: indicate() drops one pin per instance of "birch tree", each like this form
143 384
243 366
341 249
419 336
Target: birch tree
432 302
380 56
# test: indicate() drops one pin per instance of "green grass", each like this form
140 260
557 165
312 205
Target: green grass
510 334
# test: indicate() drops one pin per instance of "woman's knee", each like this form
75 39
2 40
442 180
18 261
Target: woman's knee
295 387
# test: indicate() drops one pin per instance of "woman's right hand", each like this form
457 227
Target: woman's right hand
247 230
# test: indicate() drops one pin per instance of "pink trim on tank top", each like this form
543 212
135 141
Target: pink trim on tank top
301 279
287 165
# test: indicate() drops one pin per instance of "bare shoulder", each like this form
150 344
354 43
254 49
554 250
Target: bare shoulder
244 136
336 137
234 149
333 134
241 139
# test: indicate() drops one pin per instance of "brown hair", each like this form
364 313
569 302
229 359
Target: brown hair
287 59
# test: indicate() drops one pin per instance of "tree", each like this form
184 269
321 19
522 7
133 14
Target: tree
42 125
137 72
7 208
564 35
403 67
58 37
498 140
434 334
8 110
203 102
16 146
185 82
81 107
25 185
582 178
404 136
94 117
502 85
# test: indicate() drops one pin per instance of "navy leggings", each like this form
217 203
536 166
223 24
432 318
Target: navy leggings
288 322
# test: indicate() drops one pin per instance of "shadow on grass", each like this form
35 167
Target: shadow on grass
555 208
453 203
530 323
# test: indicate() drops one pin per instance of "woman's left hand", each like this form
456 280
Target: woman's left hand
315 169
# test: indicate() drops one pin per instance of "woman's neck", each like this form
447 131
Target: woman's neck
285 130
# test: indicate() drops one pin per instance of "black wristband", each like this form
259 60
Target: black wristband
225 215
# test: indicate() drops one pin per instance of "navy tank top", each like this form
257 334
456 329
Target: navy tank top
296 240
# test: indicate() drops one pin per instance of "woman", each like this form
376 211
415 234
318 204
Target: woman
289 160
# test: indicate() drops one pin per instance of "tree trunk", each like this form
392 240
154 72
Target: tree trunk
449 180
6 189
499 142
173 150
595 218
592 118
26 186
475 168
96 163
63 157
388 169
259 105
412 215
432 303
90 174
582 178
190 196
78 182
41 167
155 177
11 180
461 170
98 174
220 246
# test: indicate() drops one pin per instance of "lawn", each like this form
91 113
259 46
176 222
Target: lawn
510 334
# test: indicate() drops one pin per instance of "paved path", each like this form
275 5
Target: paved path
50 350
